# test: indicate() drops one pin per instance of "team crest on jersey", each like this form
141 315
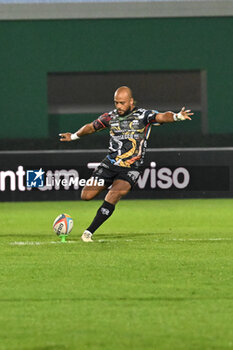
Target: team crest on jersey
124 124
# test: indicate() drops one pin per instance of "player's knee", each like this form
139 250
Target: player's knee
86 196
115 196
122 193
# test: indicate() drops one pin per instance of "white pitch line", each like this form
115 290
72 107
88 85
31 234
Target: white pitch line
193 239
38 243
28 243
105 240
169 239
113 240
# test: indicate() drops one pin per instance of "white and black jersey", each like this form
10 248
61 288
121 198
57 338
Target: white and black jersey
128 135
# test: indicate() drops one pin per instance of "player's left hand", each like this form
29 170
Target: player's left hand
184 114
66 136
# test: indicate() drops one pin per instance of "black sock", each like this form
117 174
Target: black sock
103 213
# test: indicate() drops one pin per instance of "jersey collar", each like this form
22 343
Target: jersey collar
123 117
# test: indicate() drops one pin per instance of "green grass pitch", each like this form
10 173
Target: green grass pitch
158 276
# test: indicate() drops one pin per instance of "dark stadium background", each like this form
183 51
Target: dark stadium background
158 274
58 74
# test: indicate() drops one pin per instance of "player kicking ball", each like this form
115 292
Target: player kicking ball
129 128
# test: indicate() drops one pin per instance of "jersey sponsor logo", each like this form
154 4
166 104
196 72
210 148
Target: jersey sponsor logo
126 137
133 174
135 123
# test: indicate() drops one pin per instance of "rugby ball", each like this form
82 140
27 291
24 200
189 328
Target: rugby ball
63 224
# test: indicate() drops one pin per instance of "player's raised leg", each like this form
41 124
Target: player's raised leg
90 192
119 189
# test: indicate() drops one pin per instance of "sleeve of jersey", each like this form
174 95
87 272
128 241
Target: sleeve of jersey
102 122
150 117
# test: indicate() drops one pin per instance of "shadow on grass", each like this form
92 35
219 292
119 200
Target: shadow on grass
124 235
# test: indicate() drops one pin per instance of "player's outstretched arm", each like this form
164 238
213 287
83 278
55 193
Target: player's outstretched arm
169 117
84 130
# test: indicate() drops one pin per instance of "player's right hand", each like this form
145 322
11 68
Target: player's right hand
65 136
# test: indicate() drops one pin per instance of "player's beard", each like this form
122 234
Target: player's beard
125 113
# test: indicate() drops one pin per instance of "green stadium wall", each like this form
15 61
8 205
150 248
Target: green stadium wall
29 50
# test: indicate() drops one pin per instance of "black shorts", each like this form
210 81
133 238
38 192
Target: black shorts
109 172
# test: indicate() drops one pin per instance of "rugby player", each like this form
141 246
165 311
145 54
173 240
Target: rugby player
129 130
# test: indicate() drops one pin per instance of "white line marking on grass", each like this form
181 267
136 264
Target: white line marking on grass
28 243
201 239
113 240
105 240
25 243
193 239
38 243
167 239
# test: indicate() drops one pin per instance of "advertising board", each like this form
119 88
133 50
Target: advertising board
170 173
